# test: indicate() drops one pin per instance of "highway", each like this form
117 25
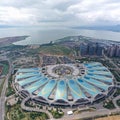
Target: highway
2 97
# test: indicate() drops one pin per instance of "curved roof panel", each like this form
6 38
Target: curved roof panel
90 79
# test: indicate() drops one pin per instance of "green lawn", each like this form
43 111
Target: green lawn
5 67
55 50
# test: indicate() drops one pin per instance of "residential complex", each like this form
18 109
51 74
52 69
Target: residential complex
91 48
113 51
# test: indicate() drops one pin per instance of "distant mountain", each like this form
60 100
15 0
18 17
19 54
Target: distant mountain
115 28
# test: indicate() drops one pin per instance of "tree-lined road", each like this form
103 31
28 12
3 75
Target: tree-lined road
34 109
2 97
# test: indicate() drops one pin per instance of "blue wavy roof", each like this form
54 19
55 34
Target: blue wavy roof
95 78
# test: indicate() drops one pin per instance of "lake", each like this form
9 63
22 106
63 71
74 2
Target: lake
40 36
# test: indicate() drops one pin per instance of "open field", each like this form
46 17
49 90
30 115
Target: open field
110 118
55 50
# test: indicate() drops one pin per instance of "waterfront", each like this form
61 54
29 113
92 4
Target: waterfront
40 36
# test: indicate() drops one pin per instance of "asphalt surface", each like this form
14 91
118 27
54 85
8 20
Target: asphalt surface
2 97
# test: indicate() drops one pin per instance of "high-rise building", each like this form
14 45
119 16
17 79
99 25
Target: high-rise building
113 51
83 49
108 50
99 49
117 51
91 49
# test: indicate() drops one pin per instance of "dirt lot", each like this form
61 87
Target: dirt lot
110 118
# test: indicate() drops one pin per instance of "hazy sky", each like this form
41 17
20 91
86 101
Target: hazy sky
59 13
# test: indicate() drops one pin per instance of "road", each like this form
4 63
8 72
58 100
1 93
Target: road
100 112
116 67
82 115
114 101
2 97
34 109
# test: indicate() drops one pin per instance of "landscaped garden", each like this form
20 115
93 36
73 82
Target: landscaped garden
117 93
57 113
16 113
118 102
108 104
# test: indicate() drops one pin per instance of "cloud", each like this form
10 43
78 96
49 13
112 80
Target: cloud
59 12
92 11
14 15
